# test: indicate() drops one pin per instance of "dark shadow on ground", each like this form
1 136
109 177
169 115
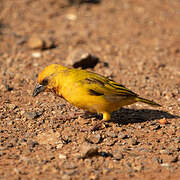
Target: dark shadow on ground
126 116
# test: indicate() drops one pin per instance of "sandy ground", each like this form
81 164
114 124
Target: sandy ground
137 44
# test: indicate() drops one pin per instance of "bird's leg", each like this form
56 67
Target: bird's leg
106 116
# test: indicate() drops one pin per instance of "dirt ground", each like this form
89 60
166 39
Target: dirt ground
137 44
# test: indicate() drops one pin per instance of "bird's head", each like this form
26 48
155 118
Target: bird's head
46 77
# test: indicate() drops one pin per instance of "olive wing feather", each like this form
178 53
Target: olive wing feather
99 85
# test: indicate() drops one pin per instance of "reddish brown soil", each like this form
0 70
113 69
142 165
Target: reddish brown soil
44 137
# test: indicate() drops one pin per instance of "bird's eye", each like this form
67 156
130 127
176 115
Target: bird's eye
44 82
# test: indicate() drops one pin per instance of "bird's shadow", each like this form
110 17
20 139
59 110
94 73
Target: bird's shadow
130 116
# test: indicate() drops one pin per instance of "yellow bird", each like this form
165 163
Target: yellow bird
87 90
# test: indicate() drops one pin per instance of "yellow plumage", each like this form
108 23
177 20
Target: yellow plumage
87 90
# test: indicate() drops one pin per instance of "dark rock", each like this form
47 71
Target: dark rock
80 58
8 88
88 150
94 138
117 155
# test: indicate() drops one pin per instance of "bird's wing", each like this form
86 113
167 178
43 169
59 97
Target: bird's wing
99 85
120 89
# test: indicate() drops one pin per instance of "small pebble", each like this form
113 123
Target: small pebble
158 160
157 127
133 141
94 138
22 112
70 165
87 150
109 141
33 144
71 17
163 151
70 171
8 88
138 167
111 134
35 42
10 145
117 155
11 106
65 177
62 156
59 146
163 121
165 165
33 114
36 55
123 136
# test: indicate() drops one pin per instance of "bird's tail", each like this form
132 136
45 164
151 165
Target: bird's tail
152 103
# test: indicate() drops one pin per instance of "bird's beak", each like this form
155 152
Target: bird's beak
38 88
